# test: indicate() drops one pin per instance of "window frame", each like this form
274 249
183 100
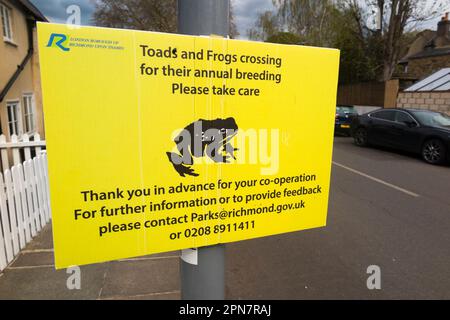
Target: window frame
18 118
395 116
31 115
6 13
379 111
409 115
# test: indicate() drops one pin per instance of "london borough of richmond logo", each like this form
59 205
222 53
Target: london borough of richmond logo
59 40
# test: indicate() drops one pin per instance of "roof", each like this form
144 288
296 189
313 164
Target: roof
28 6
434 52
430 44
417 46
438 81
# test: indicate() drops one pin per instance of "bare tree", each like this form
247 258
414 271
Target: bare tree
154 15
151 15
308 19
266 25
385 23
377 29
233 33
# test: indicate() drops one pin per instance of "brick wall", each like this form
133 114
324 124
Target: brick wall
435 101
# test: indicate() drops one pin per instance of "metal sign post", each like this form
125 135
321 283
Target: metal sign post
206 279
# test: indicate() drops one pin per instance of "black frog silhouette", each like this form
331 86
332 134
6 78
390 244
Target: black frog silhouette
201 138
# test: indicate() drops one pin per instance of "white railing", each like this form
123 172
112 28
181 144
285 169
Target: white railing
18 150
24 206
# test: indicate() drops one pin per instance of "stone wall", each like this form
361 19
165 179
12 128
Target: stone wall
435 101
423 67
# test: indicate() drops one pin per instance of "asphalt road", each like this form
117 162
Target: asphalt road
386 209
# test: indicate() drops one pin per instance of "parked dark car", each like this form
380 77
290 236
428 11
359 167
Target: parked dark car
344 118
419 131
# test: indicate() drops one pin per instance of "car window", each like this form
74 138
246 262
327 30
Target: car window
403 117
384 115
345 109
433 119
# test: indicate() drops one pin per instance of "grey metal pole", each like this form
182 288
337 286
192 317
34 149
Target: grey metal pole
204 17
206 280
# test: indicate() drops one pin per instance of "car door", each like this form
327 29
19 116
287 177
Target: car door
380 124
405 132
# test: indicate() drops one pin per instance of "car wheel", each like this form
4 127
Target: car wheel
360 137
434 151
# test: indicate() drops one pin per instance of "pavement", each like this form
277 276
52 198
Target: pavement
386 208
32 276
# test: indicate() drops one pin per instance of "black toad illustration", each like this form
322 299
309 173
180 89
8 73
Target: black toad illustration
201 138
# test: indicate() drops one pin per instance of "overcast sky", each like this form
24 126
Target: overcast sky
245 11
55 10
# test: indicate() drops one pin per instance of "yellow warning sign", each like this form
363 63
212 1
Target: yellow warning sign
158 142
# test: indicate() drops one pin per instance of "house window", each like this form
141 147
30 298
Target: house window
29 118
13 117
6 14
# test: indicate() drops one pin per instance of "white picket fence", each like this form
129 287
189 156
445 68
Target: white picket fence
19 149
24 206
